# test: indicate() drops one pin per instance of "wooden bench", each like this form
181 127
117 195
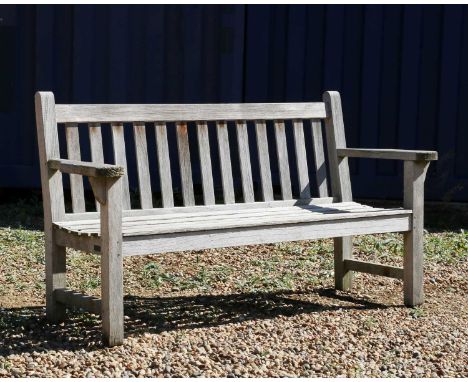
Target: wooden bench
117 230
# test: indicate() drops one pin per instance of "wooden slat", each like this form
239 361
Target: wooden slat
144 180
184 164
264 160
78 300
164 165
301 160
244 159
374 268
225 162
414 155
76 181
120 158
319 157
205 163
188 112
283 161
95 143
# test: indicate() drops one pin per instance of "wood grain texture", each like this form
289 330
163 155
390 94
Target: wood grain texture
120 158
301 159
185 164
264 160
319 157
225 162
414 155
95 144
164 165
74 153
374 268
86 168
205 163
144 180
53 201
188 112
283 160
244 159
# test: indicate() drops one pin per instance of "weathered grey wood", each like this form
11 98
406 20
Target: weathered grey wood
144 181
283 161
188 113
86 168
76 299
319 157
185 165
145 245
264 160
164 166
205 163
95 143
413 155
120 158
84 243
244 159
374 268
413 282
225 162
340 182
112 263
53 201
76 181
301 160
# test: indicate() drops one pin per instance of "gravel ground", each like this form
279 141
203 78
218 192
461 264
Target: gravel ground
261 311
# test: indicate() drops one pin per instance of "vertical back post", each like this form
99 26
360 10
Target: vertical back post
340 182
53 202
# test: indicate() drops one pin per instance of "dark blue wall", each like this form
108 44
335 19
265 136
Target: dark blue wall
402 72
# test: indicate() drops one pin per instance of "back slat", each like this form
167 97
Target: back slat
225 162
144 180
205 163
264 160
184 164
319 156
283 162
95 143
74 153
244 159
120 159
188 113
301 160
164 166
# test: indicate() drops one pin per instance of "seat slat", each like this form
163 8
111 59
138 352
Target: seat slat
184 164
120 158
205 163
164 165
283 161
264 160
225 162
144 180
74 153
319 157
301 160
95 143
244 159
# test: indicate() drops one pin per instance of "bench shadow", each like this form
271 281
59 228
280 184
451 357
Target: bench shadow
25 330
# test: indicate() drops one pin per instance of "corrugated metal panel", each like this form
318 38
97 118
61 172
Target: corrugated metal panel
402 72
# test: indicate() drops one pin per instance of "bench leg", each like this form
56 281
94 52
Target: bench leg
55 262
112 264
343 249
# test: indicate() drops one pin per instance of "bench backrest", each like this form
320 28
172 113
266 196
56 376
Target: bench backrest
280 116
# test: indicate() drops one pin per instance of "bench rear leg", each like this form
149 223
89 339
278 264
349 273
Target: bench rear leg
55 262
343 249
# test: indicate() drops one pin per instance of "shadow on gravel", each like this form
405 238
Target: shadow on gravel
26 329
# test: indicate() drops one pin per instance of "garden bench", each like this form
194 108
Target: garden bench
115 229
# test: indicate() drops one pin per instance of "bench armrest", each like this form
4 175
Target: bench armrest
94 170
409 155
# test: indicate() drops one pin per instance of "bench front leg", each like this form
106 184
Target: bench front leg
55 262
413 280
108 192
